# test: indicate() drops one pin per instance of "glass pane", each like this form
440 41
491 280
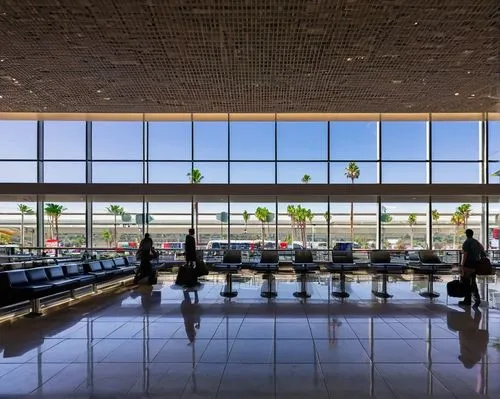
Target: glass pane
117 224
15 229
296 172
213 172
169 172
18 172
207 223
64 225
448 231
18 139
168 225
117 140
494 140
404 226
361 233
252 140
170 140
309 231
494 168
455 172
64 172
64 139
302 140
210 140
404 172
367 173
455 141
494 224
353 141
250 234
117 172
252 172
404 141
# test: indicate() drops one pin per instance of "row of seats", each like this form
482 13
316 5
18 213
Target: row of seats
28 264
32 284
427 263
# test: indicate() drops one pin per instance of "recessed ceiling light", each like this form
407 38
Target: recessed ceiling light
1 97
468 72
349 59
416 23
396 82
107 98
473 95
2 60
457 94
99 90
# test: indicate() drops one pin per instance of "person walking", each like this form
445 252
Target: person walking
472 250
190 248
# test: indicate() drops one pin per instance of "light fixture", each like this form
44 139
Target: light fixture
107 98
1 97
457 94
99 90
349 59
2 60
473 95
468 72
416 23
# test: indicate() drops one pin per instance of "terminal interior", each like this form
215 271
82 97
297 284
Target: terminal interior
330 157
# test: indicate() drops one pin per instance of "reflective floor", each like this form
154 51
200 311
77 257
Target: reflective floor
162 342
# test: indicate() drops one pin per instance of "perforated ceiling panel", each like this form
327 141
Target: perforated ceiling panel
249 56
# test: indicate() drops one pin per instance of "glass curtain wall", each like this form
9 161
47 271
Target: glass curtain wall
275 150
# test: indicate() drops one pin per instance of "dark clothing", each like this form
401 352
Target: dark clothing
473 249
471 288
190 249
146 244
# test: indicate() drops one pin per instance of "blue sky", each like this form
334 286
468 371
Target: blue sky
302 148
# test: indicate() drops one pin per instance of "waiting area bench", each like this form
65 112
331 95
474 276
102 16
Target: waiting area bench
32 284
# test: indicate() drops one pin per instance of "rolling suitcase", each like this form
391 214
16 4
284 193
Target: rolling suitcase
456 289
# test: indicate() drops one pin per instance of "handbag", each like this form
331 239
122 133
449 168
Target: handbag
484 267
201 269
186 276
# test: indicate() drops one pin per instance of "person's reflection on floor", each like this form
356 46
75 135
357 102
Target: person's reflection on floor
473 341
190 313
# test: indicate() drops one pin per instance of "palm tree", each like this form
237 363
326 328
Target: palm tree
352 172
262 215
496 174
435 216
328 217
290 211
246 218
465 210
195 177
107 236
412 220
115 210
54 212
306 179
385 218
456 220
302 215
24 210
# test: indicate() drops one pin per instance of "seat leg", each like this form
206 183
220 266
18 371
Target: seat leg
303 287
342 293
35 308
269 293
430 288
383 294
229 293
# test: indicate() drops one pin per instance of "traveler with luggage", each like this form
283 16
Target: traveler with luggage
187 274
472 253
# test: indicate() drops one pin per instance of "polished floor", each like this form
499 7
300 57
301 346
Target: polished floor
167 343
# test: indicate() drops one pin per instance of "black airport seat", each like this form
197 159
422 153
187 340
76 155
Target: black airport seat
38 275
109 266
231 263
57 277
269 264
380 263
72 270
131 260
342 262
95 268
121 264
303 264
429 264
16 287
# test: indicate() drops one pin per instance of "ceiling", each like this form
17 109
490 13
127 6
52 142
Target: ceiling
249 56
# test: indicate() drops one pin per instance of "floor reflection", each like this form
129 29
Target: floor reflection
163 342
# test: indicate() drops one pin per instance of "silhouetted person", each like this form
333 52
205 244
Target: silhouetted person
472 251
190 248
146 243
